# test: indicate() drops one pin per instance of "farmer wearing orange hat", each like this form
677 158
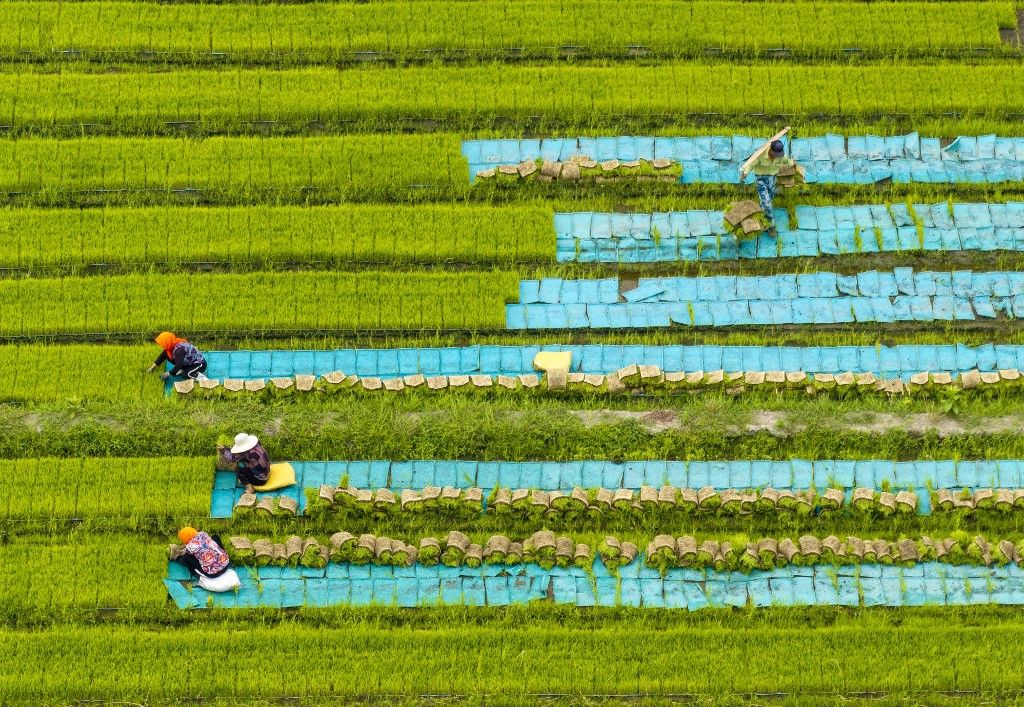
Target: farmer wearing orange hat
186 360
205 556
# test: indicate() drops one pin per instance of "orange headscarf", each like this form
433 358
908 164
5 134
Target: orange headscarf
167 340
186 534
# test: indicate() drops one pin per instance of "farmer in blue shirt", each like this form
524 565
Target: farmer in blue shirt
766 171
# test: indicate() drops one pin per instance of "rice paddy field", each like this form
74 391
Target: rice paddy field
778 469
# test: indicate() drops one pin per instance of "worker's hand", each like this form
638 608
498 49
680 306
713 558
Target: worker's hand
165 375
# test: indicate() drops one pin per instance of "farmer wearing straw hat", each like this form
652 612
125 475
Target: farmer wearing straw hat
766 170
204 554
186 360
252 465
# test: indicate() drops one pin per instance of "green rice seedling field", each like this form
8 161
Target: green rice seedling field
396 31
356 210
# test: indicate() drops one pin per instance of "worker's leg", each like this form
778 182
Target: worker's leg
194 371
765 195
248 477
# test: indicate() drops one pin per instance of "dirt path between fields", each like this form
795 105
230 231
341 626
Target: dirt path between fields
782 424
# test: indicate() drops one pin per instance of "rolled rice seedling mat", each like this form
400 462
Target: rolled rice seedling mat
936 486
579 168
900 361
247 33
828 159
701 235
664 503
631 380
901 295
546 549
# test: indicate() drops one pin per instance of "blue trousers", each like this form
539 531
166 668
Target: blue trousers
765 194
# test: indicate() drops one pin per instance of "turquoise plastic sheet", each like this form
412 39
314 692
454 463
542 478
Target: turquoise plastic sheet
636 585
828 159
806 298
591 237
899 361
797 474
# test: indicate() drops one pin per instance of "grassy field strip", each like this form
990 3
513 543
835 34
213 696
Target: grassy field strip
331 32
264 236
397 168
83 572
315 301
62 374
300 300
377 167
130 490
511 659
471 98
462 427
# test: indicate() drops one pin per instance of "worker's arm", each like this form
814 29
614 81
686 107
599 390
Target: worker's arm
760 152
751 166
162 358
176 365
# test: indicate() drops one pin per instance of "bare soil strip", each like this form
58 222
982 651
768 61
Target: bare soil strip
782 424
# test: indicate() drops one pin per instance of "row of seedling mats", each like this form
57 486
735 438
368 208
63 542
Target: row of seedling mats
901 295
827 159
889 361
921 476
819 230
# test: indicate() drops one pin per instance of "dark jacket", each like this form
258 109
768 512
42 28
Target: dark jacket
186 358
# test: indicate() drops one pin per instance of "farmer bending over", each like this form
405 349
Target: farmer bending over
205 556
766 170
252 465
186 360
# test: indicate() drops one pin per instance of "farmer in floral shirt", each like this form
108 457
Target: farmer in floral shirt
203 553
